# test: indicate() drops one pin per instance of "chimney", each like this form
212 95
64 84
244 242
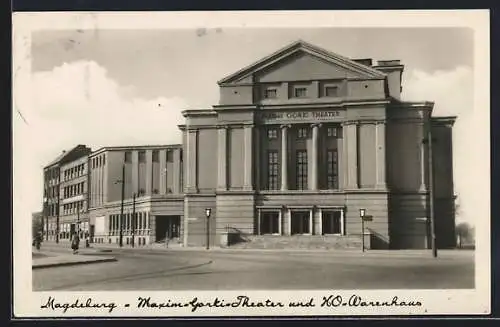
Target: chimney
367 62
394 70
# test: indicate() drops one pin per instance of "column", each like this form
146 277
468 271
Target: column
423 144
258 221
280 222
340 161
192 158
162 157
247 173
342 222
313 158
176 176
284 157
351 154
319 231
135 176
380 155
149 172
222 158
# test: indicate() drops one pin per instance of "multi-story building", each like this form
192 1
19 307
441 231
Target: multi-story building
299 145
148 178
302 140
65 180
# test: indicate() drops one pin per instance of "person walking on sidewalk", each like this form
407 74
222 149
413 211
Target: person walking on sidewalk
75 243
38 240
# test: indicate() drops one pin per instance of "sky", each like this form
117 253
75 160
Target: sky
127 87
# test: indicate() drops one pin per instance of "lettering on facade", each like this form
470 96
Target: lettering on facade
300 115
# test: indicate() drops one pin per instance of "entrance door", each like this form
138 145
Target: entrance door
300 222
167 227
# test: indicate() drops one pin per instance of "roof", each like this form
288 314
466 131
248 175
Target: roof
313 50
65 154
134 147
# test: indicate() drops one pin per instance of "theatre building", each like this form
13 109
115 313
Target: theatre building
300 142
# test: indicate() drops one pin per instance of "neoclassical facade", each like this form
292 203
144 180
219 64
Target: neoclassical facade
303 139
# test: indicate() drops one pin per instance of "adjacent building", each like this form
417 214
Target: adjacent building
65 185
149 180
298 144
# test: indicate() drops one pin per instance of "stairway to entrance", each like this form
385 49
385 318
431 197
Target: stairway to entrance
330 242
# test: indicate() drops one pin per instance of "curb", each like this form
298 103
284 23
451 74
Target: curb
72 263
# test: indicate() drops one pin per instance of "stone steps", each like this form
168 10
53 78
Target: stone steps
299 242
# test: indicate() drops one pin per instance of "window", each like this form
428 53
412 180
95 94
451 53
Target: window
155 156
332 169
301 170
331 132
300 92
142 156
332 222
300 222
270 93
103 161
302 133
272 133
272 170
269 223
331 91
128 156
170 155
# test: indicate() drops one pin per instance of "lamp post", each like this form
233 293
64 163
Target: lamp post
133 220
428 139
208 211
362 213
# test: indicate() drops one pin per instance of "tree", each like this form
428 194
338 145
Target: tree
464 233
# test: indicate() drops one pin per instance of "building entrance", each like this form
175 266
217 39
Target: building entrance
300 221
167 227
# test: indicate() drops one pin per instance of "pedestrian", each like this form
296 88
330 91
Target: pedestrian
75 243
38 240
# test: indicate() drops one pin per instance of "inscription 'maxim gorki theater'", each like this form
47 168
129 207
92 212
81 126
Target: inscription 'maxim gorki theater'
277 116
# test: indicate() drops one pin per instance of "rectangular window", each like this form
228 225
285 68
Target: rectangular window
332 169
331 222
300 222
272 170
103 161
301 169
300 92
331 91
170 155
272 133
270 93
155 156
142 156
331 132
302 133
269 223
128 156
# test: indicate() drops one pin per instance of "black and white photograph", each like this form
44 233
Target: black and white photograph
251 164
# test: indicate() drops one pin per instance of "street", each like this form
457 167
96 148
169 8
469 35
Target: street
226 270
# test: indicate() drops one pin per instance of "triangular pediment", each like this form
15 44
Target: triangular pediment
301 60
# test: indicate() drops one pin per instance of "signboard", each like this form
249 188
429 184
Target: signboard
368 218
297 116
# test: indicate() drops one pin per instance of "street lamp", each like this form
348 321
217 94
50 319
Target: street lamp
208 211
362 214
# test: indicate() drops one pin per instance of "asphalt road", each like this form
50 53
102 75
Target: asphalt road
199 270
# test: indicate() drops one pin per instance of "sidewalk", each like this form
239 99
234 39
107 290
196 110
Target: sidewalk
46 259
103 248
